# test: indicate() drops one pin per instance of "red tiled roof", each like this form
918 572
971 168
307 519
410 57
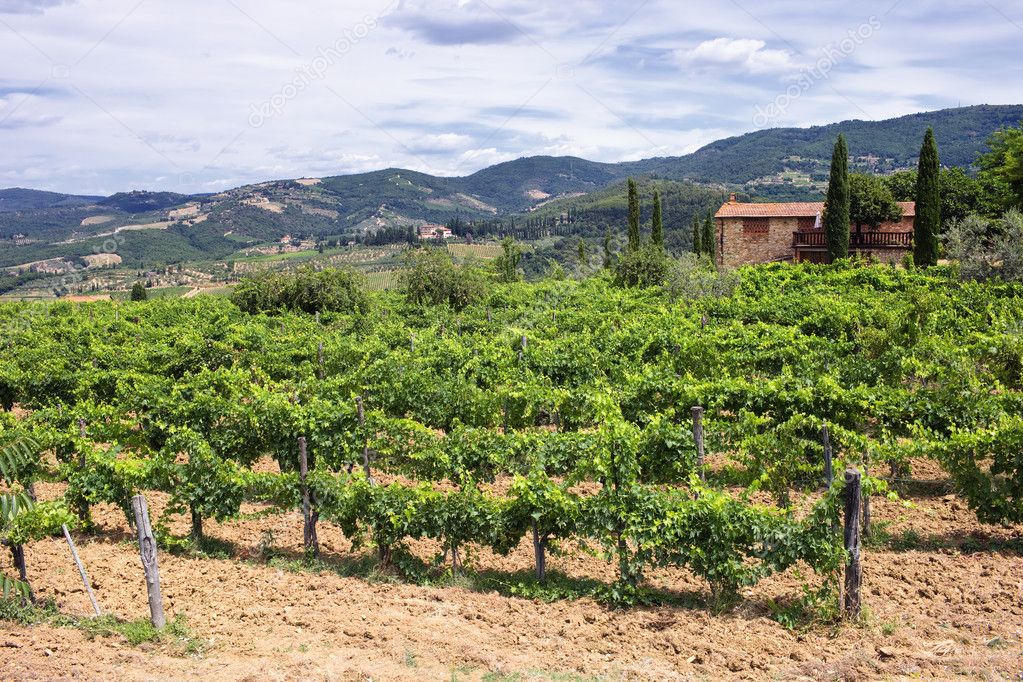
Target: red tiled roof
803 209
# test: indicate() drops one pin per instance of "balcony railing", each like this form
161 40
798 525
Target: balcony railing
865 239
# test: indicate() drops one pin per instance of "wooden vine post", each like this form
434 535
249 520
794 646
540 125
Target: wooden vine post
81 569
697 413
319 359
866 498
853 569
147 550
309 539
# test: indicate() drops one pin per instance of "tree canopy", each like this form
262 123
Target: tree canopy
1003 166
871 202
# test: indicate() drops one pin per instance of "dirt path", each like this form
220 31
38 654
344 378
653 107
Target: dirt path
948 603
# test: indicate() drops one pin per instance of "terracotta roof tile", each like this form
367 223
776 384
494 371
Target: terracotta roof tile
804 209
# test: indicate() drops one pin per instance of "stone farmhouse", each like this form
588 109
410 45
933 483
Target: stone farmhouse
762 233
430 231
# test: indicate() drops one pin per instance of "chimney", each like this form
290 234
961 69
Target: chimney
731 198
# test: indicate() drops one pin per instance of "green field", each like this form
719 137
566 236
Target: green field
480 251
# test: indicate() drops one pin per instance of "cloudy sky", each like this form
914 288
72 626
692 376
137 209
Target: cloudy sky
98 96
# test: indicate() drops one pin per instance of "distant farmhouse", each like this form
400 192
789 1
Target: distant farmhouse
434 232
762 233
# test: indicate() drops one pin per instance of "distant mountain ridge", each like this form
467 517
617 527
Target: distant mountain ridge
781 162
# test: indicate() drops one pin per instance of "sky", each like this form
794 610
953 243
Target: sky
100 96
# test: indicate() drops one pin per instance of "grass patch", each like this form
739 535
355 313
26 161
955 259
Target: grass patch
176 635
815 607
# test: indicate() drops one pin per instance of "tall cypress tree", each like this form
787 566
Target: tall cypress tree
657 231
697 236
837 205
633 244
928 204
710 242
608 256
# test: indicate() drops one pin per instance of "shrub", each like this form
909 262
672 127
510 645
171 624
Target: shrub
432 278
691 277
306 289
986 248
644 267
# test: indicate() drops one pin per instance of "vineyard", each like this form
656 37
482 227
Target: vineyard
668 456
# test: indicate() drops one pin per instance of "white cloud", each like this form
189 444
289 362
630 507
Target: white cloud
439 144
747 54
107 96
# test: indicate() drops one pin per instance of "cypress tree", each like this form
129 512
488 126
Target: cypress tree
657 231
710 242
608 256
633 244
928 204
138 292
697 236
837 205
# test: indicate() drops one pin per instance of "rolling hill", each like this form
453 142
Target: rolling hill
169 227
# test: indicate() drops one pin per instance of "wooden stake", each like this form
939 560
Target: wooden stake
81 569
319 359
866 498
697 413
829 470
309 540
853 570
147 550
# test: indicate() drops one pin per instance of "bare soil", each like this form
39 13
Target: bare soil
943 596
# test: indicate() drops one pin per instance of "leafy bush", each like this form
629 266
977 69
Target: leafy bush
306 289
432 278
646 266
986 248
691 278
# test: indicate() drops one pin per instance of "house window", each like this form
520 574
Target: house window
755 226
806 223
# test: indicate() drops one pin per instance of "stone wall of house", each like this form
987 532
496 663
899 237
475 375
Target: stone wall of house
736 248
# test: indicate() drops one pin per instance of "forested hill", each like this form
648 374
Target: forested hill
783 162
881 146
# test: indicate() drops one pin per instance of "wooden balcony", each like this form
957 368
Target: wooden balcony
867 239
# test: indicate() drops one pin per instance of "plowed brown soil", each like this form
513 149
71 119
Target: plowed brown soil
944 600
